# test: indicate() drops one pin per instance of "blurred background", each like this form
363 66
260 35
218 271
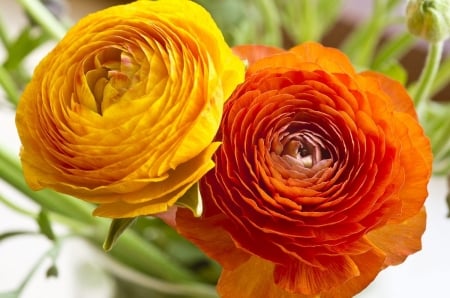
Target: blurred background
82 269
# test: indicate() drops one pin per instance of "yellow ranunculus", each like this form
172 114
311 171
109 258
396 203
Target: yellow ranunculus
123 111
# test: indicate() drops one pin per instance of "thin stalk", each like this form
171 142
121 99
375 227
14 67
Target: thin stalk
4 39
309 20
442 78
393 49
137 278
17 208
8 85
51 253
11 172
421 93
130 249
144 256
44 18
361 44
271 21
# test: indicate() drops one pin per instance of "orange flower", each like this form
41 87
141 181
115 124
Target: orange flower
319 182
123 112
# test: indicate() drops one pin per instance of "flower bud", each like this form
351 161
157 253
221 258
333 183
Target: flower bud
429 19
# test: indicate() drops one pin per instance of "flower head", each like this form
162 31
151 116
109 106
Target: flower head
319 182
123 111
429 19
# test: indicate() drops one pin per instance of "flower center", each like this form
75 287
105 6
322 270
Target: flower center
304 149
307 149
112 76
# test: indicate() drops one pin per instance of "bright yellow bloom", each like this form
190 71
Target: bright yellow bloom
123 111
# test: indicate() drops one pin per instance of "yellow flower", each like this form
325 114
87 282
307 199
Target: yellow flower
123 111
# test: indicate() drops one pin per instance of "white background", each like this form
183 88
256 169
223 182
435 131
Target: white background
425 274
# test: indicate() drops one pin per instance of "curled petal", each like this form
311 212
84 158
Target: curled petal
123 111
318 169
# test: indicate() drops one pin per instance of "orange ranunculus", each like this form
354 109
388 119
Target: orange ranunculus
123 112
319 182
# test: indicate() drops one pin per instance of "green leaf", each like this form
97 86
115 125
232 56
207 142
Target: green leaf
448 195
192 200
45 225
11 294
28 40
52 271
393 49
436 123
116 228
395 71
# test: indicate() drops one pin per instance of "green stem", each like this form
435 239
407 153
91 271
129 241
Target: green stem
393 49
161 286
44 18
131 249
309 19
144 256
8 85
4 39
271 21
11 172
421 93
442 78
360 45
17 208
51 253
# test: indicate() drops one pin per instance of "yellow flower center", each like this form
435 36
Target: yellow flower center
114 73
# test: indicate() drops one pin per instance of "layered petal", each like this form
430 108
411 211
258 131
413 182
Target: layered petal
319 167
123 111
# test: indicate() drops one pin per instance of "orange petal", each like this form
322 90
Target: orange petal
210 237
369 263
400 240
253 53
416 158
299 277
327 58
254 278
308 56
397 93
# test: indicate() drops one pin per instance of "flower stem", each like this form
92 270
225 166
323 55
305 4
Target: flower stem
421 93
393 49
271 21
11 172
161 286
44 18
131 250
8 85
51 253
17 208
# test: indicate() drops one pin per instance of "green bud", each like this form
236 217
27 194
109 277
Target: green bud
429 19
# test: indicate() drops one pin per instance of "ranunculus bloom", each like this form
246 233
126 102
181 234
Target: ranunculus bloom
319 182
123 112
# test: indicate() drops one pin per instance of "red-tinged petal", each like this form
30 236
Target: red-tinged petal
395 91
254 278
369 264
298 277
327 58
314 158
253 53
398 241
208 234
415 149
